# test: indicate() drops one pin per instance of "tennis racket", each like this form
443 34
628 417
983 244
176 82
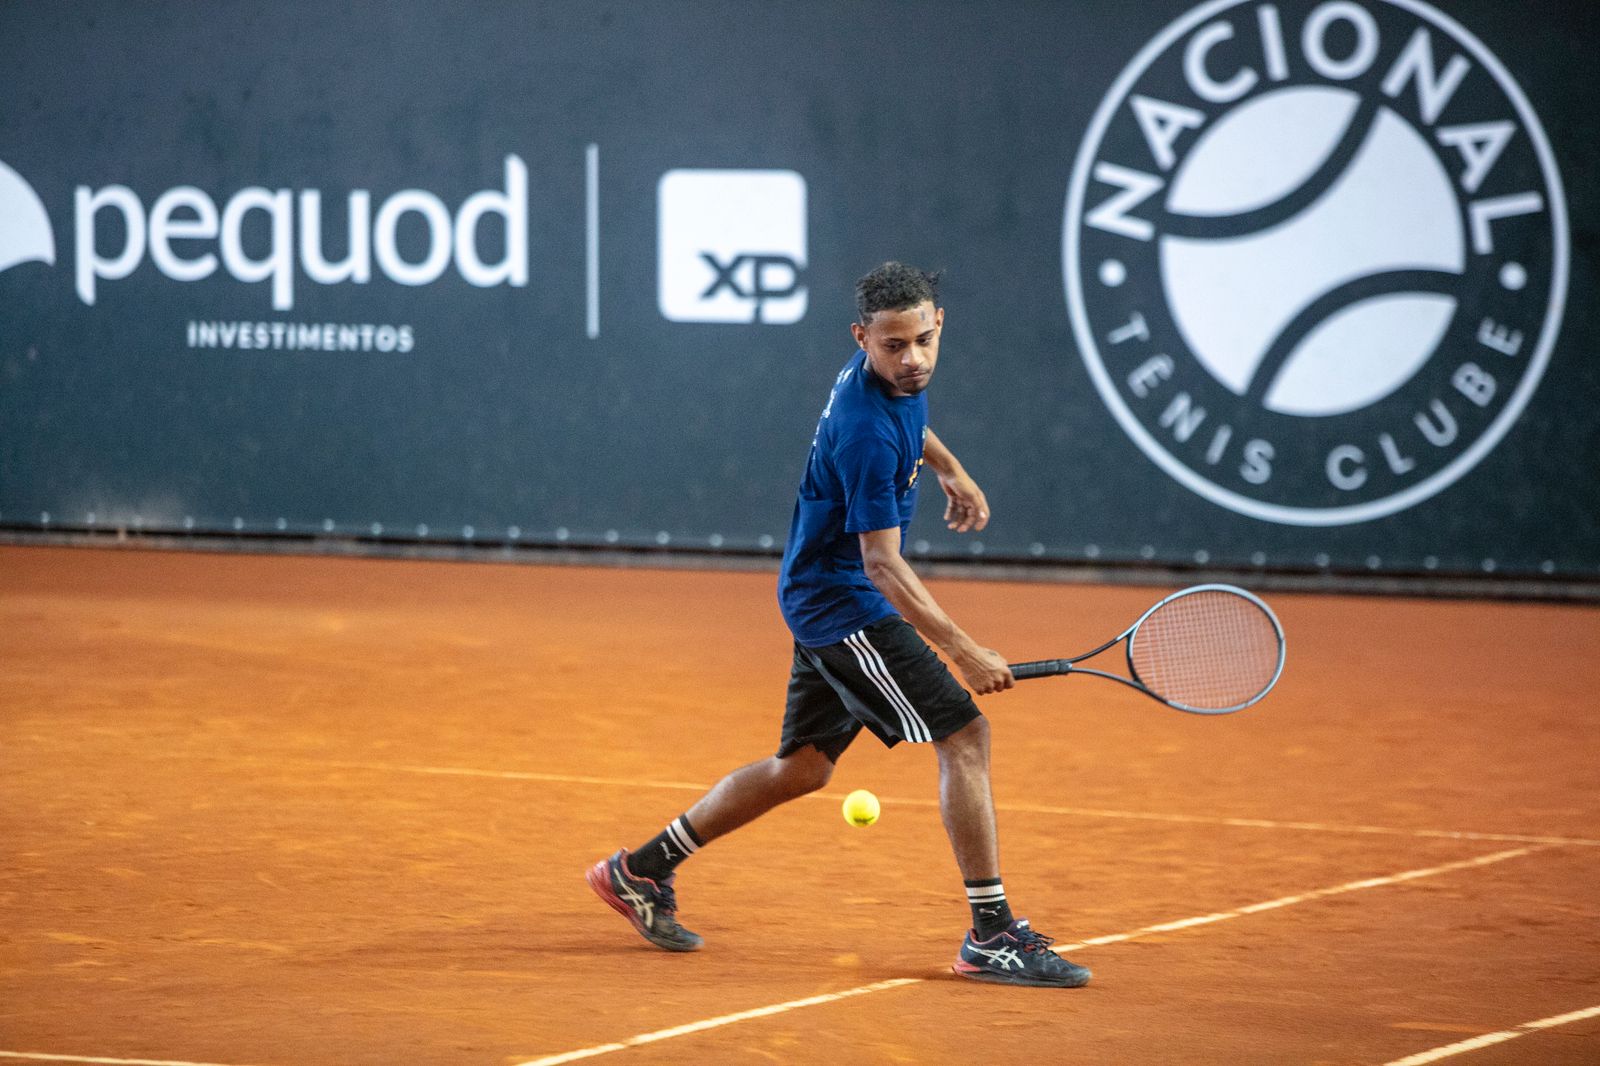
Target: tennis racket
1208 649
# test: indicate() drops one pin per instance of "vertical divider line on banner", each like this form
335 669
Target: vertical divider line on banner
592 237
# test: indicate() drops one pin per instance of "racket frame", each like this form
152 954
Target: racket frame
1059 667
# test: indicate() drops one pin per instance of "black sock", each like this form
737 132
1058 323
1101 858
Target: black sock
657 859
991 913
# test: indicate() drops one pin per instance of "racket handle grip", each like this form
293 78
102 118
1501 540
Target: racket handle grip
1040 668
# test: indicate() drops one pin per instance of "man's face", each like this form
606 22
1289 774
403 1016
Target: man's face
903 346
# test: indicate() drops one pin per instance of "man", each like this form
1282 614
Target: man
856 609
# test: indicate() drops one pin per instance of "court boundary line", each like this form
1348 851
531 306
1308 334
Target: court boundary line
27 1056
703 1025
724 1019
1010 808
1304 897
1490 1039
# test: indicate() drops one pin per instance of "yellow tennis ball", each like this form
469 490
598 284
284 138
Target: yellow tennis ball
861 807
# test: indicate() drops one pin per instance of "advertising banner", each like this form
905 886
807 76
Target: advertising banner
1300 285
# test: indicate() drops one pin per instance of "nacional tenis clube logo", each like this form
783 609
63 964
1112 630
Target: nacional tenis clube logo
1315 254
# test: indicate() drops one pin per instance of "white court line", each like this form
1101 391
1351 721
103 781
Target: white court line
1489 1039
1319 827
725 1019
465 771
1303 897
1018 808
39 1057
1185 923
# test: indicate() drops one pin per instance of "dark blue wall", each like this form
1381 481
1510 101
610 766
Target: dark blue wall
1142 249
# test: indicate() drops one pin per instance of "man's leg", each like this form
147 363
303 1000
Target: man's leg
817 728
966 802
967 806
742 796
999 948
639 885
753 790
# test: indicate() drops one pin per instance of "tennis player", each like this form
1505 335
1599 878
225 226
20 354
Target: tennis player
860 615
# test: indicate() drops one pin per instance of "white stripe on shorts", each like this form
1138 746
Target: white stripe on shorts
872 664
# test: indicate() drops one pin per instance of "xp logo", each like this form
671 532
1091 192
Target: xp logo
25 234
1315 254
731 246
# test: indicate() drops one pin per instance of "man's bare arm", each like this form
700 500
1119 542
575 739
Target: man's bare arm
983 669
968 508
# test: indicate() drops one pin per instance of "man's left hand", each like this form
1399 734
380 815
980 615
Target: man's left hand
968 508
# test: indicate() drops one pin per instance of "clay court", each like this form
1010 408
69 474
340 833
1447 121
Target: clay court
319 811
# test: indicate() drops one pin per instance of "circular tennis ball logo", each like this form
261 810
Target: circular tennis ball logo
1315 254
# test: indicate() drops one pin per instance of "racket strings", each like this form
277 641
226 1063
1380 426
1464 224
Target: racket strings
1209 649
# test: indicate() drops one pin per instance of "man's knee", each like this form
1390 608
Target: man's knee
804 771
971 741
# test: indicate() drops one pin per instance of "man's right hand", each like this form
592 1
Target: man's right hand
985 670
887 569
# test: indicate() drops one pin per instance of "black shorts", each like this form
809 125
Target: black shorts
883 677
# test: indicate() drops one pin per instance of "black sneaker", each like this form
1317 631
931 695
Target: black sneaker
1017 956
650 905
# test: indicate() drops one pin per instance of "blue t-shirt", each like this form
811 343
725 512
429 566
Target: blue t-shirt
861 476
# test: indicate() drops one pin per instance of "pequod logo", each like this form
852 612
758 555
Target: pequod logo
1315 254
25 233
261 235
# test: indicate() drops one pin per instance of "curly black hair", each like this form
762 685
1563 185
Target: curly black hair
895 287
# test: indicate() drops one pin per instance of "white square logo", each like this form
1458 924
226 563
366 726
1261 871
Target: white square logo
731 246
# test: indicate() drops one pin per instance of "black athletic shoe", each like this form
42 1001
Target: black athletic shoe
1017 956
650 905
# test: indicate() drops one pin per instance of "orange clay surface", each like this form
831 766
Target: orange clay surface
280 810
